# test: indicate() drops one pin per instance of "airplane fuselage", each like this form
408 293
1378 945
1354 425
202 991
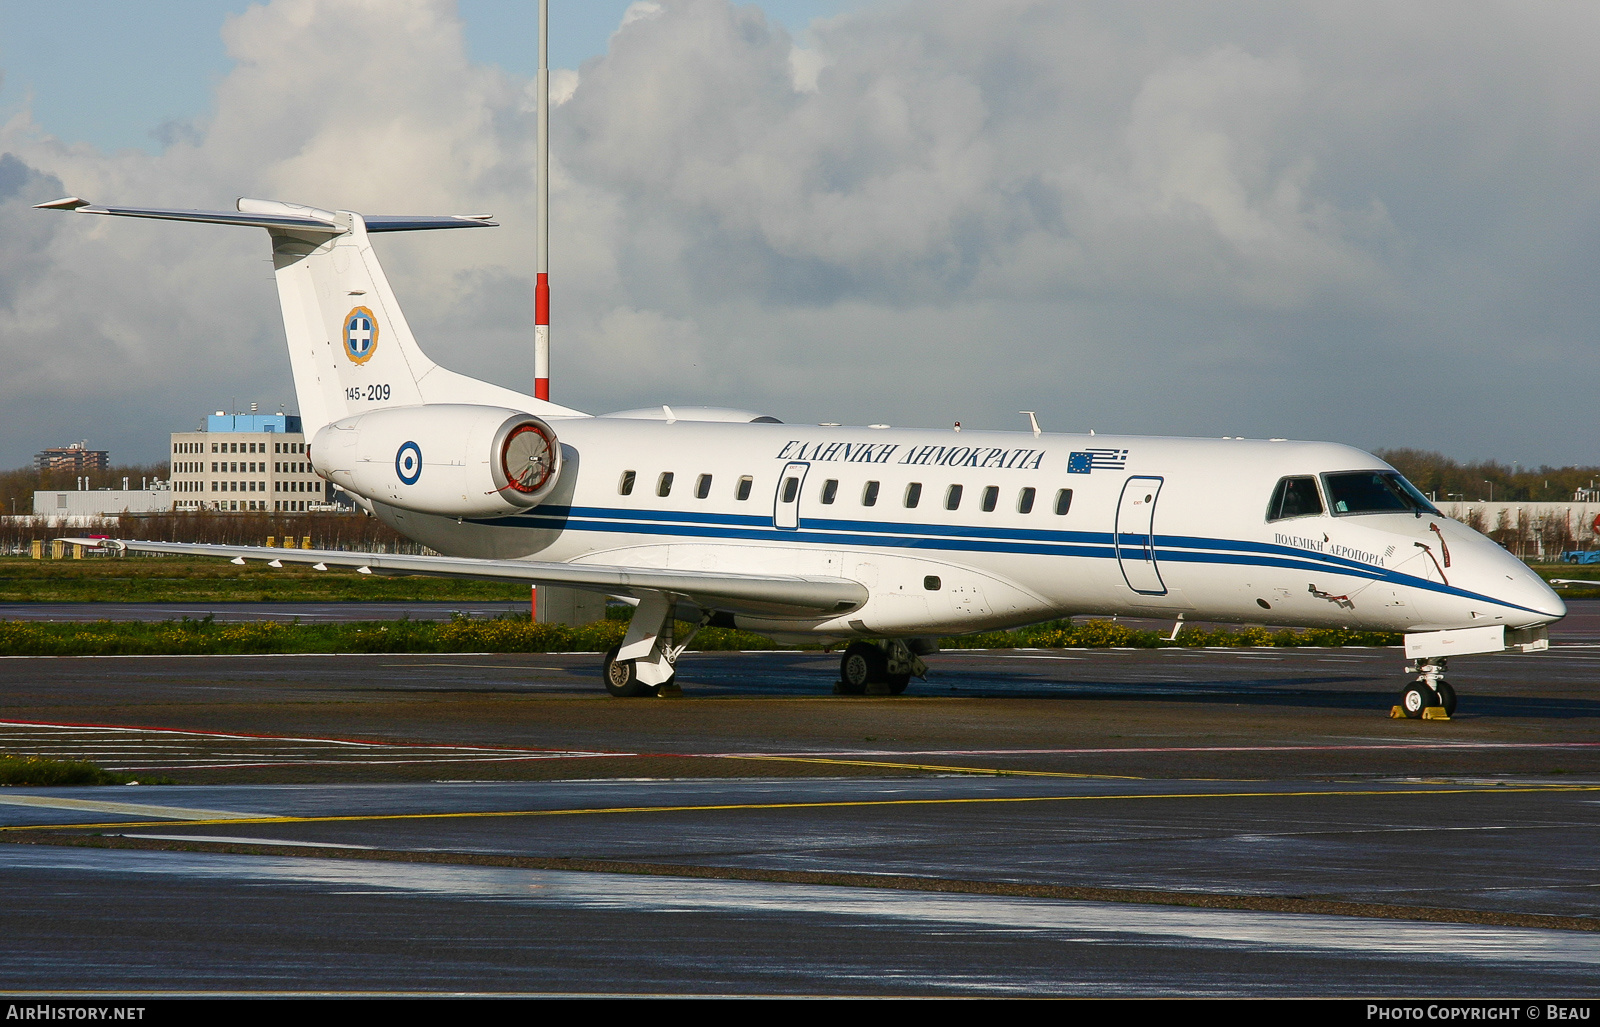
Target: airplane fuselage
839 532
966 531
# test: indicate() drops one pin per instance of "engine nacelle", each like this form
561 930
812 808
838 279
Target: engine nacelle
454 460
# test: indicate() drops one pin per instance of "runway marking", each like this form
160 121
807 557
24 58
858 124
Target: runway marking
477 666
121 753
1000 772
339 740
1396 746
831 804
130 808
130 748
201 763
243 841
327 739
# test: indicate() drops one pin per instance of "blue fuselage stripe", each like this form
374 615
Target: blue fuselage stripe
965 538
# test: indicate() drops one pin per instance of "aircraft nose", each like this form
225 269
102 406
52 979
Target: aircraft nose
1551 607
1533 594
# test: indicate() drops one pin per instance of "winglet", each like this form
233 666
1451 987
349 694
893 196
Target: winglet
65 203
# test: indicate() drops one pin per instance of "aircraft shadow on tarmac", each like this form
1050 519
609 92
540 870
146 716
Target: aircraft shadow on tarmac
1328 691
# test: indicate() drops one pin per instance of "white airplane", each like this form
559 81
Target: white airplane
880 537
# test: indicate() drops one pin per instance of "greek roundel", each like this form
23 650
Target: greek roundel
360 335
408 463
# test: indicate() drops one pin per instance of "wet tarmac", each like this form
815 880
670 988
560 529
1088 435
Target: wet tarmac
197 922
1111 822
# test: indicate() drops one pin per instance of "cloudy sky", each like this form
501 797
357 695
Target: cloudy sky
1368 222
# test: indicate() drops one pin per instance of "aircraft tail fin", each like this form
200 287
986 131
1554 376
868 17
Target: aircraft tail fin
350 348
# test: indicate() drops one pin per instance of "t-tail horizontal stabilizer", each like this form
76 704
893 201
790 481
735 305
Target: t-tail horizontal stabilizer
350 348
275 214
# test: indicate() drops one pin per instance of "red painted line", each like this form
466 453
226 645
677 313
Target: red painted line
299 738
534 752
1399 746
124 768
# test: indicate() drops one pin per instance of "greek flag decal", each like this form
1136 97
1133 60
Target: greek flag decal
1097 460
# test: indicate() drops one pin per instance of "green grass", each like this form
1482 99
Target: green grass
513 634
138 579
38 770
518 634
184 579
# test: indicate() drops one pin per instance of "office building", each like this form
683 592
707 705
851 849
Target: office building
245 462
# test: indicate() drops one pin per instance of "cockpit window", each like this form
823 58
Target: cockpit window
1294 497
1357 492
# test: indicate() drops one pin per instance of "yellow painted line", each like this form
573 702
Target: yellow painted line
132 809
837 804
983 771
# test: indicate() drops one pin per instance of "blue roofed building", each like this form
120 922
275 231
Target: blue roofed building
244 462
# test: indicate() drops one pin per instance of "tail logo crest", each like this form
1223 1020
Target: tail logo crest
360 335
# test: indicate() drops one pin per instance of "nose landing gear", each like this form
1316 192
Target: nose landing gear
1429 690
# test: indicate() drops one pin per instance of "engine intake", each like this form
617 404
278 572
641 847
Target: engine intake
454 460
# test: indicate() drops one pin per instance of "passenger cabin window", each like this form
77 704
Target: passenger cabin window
830 490
913 494
664 484
1063 501
1294 497
1025 501
1358 492
625 486
952 498
991 498
869 494
791 489
702 488
742 493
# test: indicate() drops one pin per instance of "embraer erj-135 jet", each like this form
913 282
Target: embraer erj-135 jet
882 537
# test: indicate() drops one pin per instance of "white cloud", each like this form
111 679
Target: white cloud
1359 221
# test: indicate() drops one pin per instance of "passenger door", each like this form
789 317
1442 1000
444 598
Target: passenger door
1134 537
786 500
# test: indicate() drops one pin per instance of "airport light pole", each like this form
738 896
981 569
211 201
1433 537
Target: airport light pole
1489 483
541 291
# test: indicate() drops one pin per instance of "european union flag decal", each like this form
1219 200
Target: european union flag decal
1097 460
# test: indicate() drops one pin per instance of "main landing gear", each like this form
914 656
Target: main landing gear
645 663
622 679
871 668
1430 689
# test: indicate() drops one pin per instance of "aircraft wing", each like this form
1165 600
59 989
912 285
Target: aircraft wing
779 595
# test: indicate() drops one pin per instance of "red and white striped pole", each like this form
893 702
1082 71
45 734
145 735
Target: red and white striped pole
541 291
